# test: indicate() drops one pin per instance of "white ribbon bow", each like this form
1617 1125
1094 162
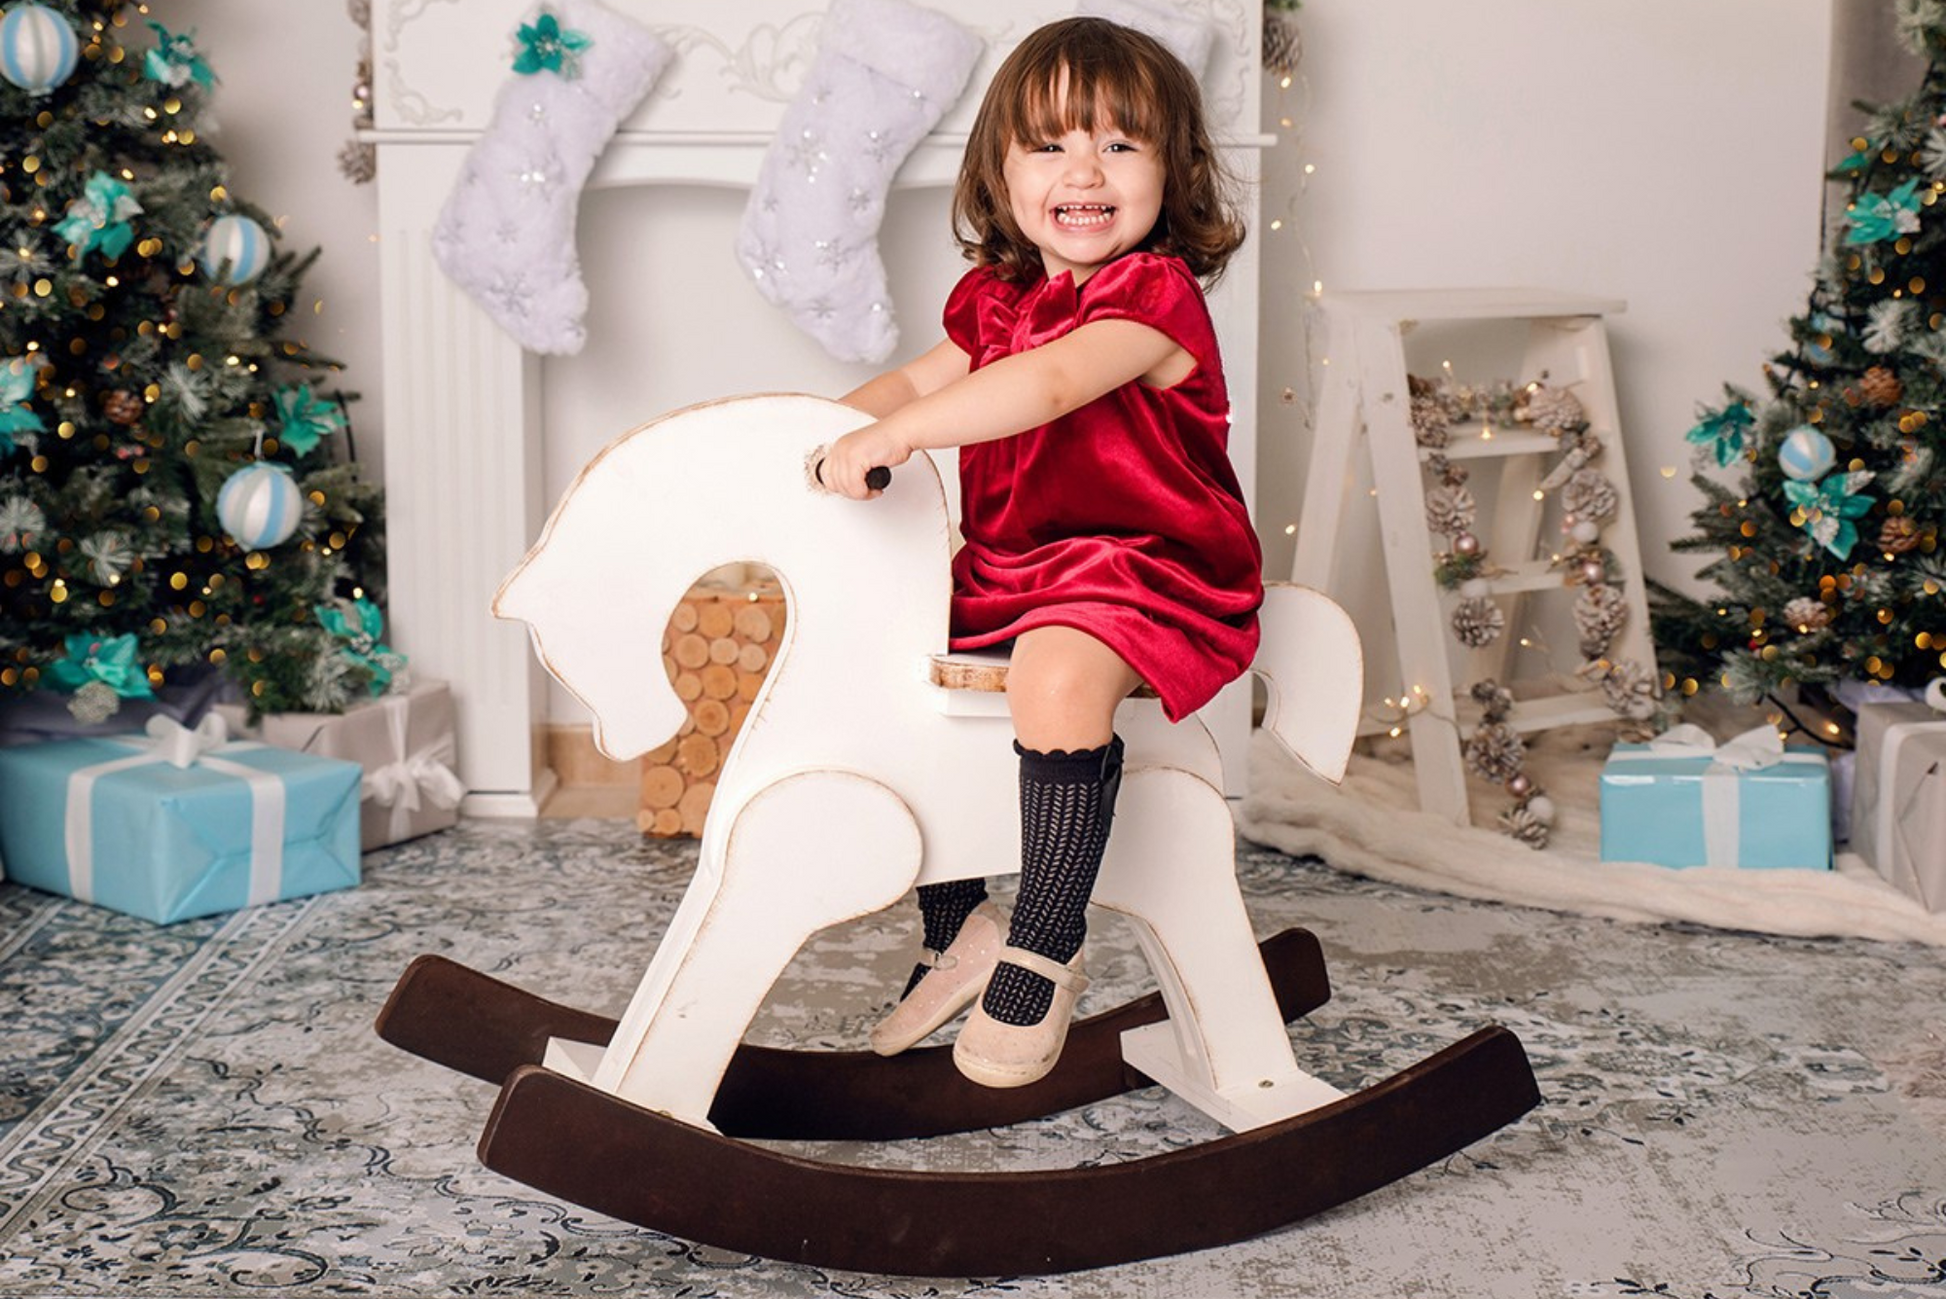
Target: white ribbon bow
180 746
398 785
1758 747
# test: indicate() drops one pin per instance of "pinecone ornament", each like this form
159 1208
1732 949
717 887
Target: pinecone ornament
1881 387
1589 495
1518 822
1551 410
1283 45
1599 612
1898 534
1629 690
1495 752
358 162
1807 614
1450 509
1430 425
120 406
1478 622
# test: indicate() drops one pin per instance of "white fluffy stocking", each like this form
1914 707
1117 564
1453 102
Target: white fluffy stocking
885 72
506 233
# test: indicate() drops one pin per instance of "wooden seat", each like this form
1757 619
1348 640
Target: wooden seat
985 671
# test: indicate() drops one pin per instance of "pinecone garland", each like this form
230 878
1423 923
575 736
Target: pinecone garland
1599 612
1807 614
120 406
1880 386
1478 622
1495 752
1898 534
1450 509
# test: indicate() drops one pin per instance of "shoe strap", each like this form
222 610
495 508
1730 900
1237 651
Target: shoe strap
1062 976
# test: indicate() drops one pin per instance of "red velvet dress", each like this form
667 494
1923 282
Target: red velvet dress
1123 518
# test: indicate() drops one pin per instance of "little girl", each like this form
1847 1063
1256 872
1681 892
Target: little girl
1105 534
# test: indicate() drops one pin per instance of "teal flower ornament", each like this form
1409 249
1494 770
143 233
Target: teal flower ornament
1828 506
305 420
359 624
1722 432
98 220
546 46
111 662
175 62
1876 217
16 386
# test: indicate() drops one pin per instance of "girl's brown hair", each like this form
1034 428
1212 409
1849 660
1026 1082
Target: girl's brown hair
1116 75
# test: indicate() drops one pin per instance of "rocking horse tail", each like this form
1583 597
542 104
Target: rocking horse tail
1310 660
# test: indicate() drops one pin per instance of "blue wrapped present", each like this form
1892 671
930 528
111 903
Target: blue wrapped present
1681 800
177 823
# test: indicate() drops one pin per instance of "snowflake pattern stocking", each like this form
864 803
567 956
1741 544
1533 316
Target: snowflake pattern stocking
884 74
506 233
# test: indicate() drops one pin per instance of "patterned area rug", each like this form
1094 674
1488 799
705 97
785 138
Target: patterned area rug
204 1110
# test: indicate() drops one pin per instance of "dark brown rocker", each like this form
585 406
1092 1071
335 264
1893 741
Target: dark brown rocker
587 1146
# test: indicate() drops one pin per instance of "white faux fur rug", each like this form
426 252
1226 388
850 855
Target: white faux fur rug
1371 826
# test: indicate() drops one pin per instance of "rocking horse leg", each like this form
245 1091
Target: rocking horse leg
1171 869
804 853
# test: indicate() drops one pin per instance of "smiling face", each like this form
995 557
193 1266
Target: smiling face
1085 196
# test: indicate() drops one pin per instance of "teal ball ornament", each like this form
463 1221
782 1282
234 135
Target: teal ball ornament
1806 455
260 505
38 48
235 250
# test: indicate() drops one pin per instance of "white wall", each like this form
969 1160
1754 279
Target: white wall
1668 152
1665 151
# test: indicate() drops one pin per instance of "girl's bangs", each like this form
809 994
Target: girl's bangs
1106 93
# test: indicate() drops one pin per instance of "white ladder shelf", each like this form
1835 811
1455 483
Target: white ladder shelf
1364 408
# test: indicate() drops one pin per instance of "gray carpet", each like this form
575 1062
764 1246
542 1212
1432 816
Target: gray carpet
203 1110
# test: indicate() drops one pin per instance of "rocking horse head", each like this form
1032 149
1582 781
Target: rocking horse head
706 486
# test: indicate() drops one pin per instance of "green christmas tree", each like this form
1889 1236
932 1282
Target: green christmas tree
1827 553
143 364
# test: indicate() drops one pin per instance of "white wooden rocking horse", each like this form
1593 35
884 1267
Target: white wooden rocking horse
871 762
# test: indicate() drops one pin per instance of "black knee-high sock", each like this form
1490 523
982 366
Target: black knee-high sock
943 908
1067 802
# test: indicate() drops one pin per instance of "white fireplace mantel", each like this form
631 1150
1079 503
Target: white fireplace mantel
464 471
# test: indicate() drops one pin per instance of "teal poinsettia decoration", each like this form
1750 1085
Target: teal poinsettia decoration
359 624
110 661
98 220
546 46
16 386
305 420
1877 217
1827 507
1857 159
1722 432
175 62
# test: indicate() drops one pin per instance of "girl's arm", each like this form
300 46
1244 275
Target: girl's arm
925 373
1010 396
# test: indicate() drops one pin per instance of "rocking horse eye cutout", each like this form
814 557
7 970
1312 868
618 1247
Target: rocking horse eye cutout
877 478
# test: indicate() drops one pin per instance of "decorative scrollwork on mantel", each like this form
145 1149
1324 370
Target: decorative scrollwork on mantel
411 106
771 62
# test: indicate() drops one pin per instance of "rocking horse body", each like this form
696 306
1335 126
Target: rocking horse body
862 770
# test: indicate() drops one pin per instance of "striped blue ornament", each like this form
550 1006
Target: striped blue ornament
235 250
260 505
1806 454
37 48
